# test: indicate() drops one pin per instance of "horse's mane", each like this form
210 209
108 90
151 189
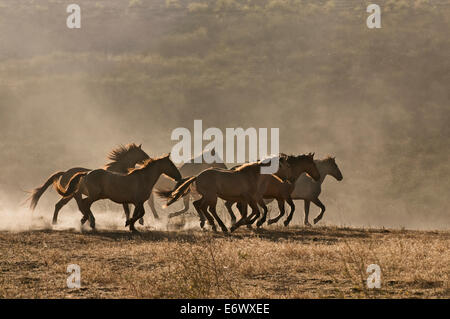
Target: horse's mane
292 159
147 163
121 151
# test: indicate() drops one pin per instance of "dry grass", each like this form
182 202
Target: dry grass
323 262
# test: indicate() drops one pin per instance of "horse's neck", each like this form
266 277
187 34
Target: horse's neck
323 169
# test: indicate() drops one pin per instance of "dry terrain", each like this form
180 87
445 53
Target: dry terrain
298 262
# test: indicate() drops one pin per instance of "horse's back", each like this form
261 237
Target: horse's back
65 178
190 169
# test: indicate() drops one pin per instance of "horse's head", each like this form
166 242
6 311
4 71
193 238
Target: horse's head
170 169
136 154
128 155
284 168
333 169
306 164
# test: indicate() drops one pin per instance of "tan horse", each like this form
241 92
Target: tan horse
190 168
236 185
280 185
123 158
309 190
134 188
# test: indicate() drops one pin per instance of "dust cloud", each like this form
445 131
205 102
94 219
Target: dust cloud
378 100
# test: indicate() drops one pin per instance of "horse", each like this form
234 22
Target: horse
190 168
122 159
239 185
309 190
280 185
133 188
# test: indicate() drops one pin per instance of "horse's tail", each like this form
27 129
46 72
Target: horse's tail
73 185
179 191
37 192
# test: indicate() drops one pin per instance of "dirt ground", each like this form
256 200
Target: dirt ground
298 262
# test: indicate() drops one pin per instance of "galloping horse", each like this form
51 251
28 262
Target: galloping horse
134 188
309 190
190 168
239 185
123 158
280 185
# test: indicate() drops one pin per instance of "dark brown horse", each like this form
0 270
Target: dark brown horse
236 185
280 185
122 159
309 190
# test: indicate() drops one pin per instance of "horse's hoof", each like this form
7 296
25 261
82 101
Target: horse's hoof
225 230
54 222
308 224
202 224
316 220
232 229
141 221
171 215
127 223
286 223
270 222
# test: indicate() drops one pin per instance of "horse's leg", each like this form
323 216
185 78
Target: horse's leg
212 209
307 204
63 201
82 208
255 215
291 213
264 217
204 208
244 219
281 208
137 213
151 203
229 206
197 205
126 209
242 207
322 207
86 203
184 210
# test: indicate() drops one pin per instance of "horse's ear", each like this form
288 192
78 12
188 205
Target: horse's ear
168 155
283 155
140 145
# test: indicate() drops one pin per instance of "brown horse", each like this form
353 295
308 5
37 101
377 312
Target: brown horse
309 190
236 185
134 188
280 185
123 158
190 168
